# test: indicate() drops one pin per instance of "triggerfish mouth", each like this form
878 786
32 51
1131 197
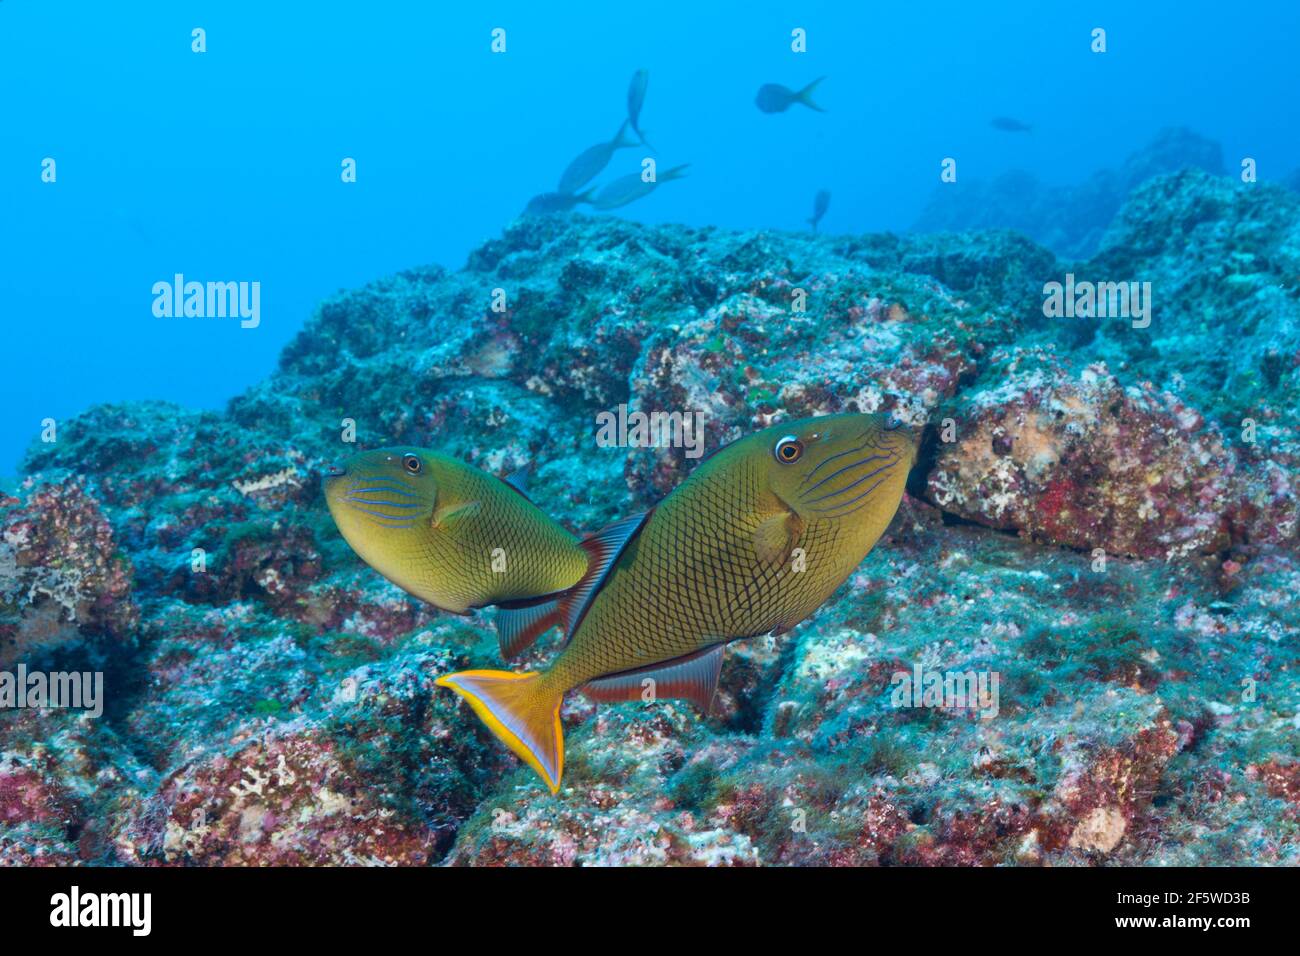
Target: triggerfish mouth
752 543
453 535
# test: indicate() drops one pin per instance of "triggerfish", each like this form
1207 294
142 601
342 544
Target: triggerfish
1009 125
635 100
630 188
453 535
753 542
821 202
592 161
546 204
775 98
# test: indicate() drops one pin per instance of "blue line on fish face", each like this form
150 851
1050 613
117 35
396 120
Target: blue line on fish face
836 474
385 501
381 488
384 520
826 512
890 462
351 499
808 477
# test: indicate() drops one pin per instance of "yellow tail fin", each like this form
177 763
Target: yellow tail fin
520 713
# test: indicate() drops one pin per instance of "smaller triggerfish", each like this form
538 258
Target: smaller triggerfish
592 161
546 204
753 542
775 98
630 188
821 203
453 535
1009 125
635 100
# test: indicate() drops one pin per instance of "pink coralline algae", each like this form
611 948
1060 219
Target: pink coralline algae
62 575
1077 459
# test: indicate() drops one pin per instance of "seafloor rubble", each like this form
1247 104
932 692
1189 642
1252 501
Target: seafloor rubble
1105 519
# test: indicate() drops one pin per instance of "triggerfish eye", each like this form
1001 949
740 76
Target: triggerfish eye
411 463
788 450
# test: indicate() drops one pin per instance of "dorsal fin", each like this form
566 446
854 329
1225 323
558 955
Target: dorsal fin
520 478
603 549
693 677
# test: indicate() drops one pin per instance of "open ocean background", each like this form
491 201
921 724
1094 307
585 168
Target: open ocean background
225 166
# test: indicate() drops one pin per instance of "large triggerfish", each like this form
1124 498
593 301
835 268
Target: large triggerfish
451 534
752 543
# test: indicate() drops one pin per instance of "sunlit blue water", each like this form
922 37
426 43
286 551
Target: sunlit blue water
225 165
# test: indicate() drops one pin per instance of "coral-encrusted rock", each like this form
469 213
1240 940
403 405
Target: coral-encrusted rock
1078 459
617 806
750 357
1103 796
280 800
1281 780
62 577
38 816
1223 261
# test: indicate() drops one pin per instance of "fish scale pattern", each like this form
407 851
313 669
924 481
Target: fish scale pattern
539 557
694 576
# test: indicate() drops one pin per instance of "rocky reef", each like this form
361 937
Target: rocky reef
1071 220
1103 524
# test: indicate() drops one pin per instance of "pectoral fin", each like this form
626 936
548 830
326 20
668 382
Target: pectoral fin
693 677
777 534
445 519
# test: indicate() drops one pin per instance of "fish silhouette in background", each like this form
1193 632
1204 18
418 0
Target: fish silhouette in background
546 204
775 98
753 542
630 188
1009 125
635 100
592 161
821 203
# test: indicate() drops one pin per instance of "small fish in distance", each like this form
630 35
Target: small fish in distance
632 187
1009 125
775 98
591 162
635 100
821 203
545 204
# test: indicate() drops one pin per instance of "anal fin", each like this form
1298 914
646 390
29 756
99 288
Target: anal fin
693 677
518 628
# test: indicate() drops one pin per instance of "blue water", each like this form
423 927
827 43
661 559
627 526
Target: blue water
225 165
